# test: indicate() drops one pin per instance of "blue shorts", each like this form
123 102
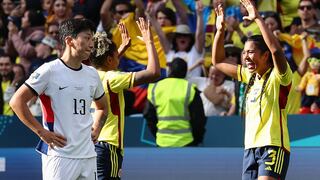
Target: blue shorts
109 161
270 161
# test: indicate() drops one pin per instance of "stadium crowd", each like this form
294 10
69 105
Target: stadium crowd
181 28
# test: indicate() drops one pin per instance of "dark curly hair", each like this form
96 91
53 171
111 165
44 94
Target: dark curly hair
103 48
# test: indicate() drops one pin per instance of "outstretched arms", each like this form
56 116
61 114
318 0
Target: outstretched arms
152 72
278 57
218 54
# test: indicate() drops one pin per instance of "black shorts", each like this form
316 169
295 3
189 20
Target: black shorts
109 161
265 161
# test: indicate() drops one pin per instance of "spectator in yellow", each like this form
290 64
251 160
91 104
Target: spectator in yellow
310 84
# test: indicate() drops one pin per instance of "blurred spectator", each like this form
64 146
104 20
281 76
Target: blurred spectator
11 79
59 11
19 41
188 46
44 49
135 57
164 21
216 97
52 30
29 5
233 54
310 85
88 8
6 7
166 17
174 111
287 10
45 4
273 22
307 14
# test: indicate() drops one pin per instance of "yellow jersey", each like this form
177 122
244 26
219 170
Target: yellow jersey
271 128
114 82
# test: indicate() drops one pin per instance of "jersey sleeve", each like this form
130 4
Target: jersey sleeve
284 79
120 80
99 90
243 74
39 79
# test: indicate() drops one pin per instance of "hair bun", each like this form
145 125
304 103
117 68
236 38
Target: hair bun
101 43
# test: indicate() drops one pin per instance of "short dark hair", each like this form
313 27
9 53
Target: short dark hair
72 27
178 68
171 15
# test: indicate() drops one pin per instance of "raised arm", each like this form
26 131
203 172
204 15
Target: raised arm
150 14
278 57
303 66
105 15
152 72
181 11
200 38
126 40
218 54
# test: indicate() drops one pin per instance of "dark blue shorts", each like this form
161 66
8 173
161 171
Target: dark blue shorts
270 161
109 161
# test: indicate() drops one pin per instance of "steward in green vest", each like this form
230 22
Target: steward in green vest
174 111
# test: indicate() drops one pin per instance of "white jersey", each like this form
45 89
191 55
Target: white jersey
66 95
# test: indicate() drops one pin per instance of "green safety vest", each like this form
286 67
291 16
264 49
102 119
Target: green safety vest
171 98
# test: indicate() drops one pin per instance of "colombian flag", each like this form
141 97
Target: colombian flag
136 57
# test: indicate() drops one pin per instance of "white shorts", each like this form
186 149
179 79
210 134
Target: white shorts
60 168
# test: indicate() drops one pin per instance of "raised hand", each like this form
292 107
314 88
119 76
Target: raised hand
220 17
252 11
145 30
199 7
126 40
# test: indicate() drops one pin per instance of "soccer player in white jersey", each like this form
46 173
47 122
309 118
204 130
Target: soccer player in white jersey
66 88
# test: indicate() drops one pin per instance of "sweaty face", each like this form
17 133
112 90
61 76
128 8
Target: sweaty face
83 44
252 57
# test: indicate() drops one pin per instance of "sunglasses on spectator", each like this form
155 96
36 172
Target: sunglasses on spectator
303 7
122 12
